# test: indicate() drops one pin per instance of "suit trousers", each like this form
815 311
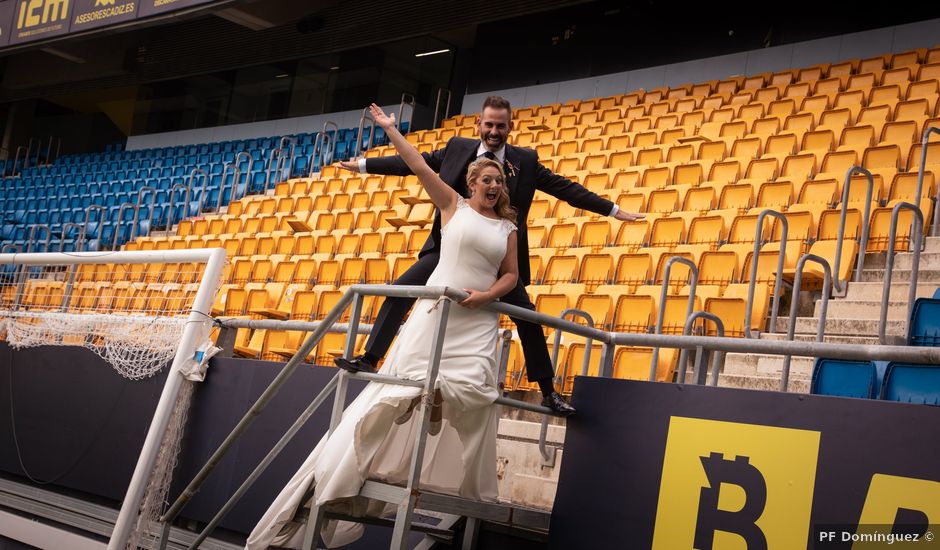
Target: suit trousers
393 311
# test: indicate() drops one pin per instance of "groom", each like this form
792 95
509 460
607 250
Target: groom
524 174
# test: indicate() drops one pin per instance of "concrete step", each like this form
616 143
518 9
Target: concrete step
862 309
521 476
876 275
928 260
751 364
850 327
796 384
872 290
828 338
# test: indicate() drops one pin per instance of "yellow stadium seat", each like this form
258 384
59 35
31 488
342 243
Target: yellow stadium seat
561 269
718 268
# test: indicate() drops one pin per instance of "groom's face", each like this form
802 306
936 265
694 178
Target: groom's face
495 125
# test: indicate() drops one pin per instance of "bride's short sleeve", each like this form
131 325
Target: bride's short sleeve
508 227
462 202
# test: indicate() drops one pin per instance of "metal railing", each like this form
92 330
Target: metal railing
366 115
693 272
277 160
778 280
548 454
170 218
202 190
795 303
58 148
79 240
924 141
406 99
233 167
16 158
917 241
32 237
102 217
318 156
248 172
292 140
437 106
843 212
29 149
718 358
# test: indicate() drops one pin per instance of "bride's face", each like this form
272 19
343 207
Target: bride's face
485 189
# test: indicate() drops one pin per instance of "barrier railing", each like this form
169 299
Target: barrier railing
233 168
406 99
693 271
277 160
778 279
102 216
795 303
16 158
34 241
248 171
437 106
318 156
837 285
917 238
187 191
366 115
717 357
202 190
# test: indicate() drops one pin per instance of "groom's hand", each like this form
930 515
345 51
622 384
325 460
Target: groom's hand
625 216
351 165
477 299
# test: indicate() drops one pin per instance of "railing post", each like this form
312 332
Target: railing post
836 284
548 455
366 115
275 159
654 362
781 254
717 357
794 304
406 99
202 190
73 270
170 218
153 204
235 175
437 106
925 140
290 155
16 159
120 222
502 358
102 215
917 229
32 237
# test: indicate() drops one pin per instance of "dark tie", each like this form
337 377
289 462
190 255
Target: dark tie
490 155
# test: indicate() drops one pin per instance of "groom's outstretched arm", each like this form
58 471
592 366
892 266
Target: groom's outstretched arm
396 166
573 193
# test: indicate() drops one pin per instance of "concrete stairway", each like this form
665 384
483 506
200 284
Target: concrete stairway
852 319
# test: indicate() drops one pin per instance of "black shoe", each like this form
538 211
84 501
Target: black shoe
557 403
356 364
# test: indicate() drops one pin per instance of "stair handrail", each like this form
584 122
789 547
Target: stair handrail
102 217
437 105
693 269
795 302
120 222
292 140
248 172
924 141
233 167
29 149
752 284
186 198
319 153
863 243
406 99
366 115
917 241
49 148
202 190
79 240
548 455
16 158
277 159
153 204
32 237
718 356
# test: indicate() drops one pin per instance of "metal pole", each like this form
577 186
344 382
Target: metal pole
406 507
248 173
120 222
401 110
202 190
548 456
836 284
197 327
277 154
916 237
170 218
654 362
16 158
339 398
362 123
778 279
153 203
920 175
437 106
794 303
235 175
687 330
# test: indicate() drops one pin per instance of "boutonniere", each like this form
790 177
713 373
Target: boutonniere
511 169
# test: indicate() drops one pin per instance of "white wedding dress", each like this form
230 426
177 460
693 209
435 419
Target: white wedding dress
369 444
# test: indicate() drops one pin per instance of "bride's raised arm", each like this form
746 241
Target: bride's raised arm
442 195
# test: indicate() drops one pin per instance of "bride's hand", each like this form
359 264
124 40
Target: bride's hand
383 120
477 299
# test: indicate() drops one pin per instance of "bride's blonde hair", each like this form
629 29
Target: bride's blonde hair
503 208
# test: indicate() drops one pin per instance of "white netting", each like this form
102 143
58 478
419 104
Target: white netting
136 346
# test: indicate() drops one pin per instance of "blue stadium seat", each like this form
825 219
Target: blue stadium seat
936 293
925 323
845 378
909 383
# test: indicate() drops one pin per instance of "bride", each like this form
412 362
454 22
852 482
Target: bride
375 438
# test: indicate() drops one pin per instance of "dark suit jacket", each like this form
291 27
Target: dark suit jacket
451 163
